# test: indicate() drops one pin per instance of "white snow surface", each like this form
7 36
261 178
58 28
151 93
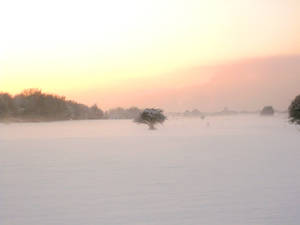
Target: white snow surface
230 170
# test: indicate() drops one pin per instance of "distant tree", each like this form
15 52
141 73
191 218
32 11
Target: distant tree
267 111
193 113
294 110
7 107
151 117
186 113
121 113
133 112
95 112
116 113
196 112
77 111
34 105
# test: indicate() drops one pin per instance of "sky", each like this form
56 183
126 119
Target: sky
173 54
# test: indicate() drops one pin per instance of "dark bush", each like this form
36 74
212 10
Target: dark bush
33 105
267 111
294 110
151 117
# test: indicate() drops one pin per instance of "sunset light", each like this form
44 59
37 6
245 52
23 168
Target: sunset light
149 112
109 49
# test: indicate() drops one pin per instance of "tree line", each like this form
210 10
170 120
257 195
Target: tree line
34 105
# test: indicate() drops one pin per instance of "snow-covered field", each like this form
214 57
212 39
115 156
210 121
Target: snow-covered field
239 170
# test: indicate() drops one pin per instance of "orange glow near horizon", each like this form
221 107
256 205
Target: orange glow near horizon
122 51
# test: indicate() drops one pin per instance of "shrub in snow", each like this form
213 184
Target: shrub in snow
267 111
294 110
151 117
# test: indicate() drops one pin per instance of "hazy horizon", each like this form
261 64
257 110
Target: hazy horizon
247 84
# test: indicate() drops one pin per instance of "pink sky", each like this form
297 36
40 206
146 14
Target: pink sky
242 85
154 53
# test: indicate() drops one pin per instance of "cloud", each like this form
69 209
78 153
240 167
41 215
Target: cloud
248 84
242 85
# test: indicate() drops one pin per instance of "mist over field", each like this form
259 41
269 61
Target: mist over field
161 112
221 170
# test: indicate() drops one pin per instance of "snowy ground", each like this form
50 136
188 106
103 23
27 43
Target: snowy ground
240 170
